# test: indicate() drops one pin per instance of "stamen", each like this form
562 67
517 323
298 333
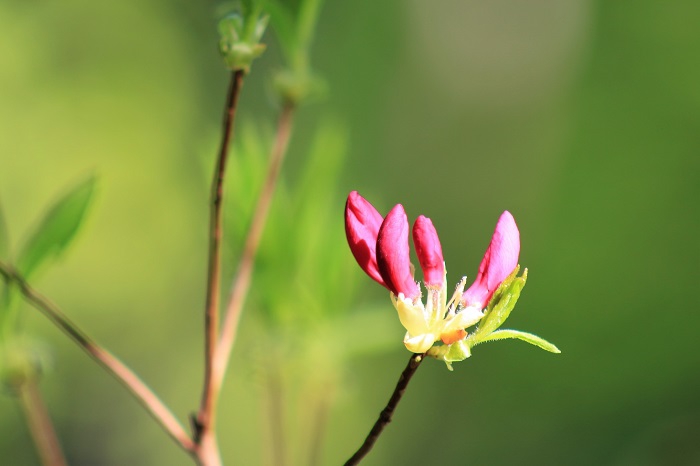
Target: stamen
457 296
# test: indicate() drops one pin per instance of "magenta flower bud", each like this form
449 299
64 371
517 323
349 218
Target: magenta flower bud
393 256
429 252
362 222
499 261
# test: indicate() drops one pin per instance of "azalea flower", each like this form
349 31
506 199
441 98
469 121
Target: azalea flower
380 246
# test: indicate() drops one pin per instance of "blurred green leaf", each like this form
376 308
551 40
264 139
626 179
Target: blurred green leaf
295 31
244 178
282 23
303 265
57 228
4 236
524 336
250 10
307 20
322 254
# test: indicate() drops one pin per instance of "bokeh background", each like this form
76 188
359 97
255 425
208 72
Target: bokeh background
581 117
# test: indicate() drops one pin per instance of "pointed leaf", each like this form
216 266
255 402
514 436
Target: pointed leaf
57 229
502 289
501 305
524 336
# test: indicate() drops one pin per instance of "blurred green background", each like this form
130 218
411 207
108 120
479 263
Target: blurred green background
582 118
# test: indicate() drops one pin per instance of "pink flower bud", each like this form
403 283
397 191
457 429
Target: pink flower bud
362 222
499 261
429 252
393 254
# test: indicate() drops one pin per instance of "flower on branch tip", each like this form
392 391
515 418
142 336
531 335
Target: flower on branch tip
380 246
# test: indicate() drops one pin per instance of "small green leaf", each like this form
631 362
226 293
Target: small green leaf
239 39
524 336
4 236
501 304
57 228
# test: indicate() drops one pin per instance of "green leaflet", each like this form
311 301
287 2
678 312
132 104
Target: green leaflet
501 305
56 229
498 310
524 336
239 38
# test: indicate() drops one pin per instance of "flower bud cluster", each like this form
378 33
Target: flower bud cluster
380 246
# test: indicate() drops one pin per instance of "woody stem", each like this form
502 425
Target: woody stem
388 412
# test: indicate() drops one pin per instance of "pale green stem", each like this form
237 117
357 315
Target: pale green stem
40 426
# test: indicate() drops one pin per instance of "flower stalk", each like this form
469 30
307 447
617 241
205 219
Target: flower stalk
387 413
381 248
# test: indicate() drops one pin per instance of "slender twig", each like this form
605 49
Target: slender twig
204 423
207 410
143 394
387 413
241 282
40 426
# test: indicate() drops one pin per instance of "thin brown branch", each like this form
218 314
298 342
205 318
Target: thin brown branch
204 424
387 413
40 426
241 282
143 394
206 411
